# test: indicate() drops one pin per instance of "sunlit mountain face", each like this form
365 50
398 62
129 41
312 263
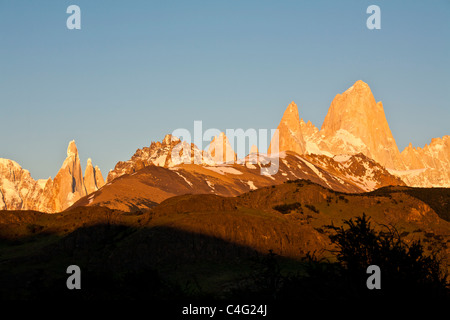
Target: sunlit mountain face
354 151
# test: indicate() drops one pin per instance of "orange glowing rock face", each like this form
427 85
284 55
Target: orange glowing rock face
51 195
290 137
354 151
356 123
221 151
93 179
356 119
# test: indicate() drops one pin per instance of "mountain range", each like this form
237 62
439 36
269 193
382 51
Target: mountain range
19 191
353 152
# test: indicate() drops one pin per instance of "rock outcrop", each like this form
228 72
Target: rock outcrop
290 136
168 153
93 179
68 184
19 191
427 166
356 123
17 188
221 150
253 149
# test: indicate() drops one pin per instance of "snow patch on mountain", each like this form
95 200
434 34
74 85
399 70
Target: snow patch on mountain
187 181
223 170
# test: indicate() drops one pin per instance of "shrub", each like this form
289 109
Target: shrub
287 208
405 269
312 208
34 228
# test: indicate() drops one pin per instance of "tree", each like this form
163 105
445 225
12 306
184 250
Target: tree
405 269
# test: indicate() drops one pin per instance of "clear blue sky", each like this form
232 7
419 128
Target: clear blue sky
140 69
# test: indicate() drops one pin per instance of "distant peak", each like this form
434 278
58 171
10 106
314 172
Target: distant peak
89 162
168 139
292 107
436 140
6 162
72 149
291 112
360 83
358 86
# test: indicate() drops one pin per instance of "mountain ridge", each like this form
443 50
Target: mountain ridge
19 191
353 151
356 123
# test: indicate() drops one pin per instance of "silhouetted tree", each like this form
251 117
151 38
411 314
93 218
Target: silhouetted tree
405 269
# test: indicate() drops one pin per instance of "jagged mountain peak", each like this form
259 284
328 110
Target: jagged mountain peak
72 149
9 163
355 122
19 191
291 111
93 179
220 149
169 139
160 154
290 137
292 107
253 149
359 85
308 129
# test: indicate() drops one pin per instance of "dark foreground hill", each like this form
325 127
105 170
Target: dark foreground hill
202 245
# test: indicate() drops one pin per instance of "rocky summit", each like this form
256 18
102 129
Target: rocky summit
290 136
19 191
356 123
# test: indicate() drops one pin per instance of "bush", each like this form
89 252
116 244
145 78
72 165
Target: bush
404 268
406 273
287 208
312 208
34 228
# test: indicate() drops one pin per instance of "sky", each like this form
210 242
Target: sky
138 70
